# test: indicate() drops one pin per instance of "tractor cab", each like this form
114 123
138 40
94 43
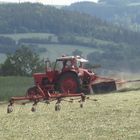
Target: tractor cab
66 63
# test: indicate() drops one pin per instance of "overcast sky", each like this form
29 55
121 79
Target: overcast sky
54 2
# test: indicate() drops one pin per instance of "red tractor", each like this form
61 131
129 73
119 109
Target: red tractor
68 78
69 75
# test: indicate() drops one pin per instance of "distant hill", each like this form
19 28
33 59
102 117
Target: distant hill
118 2
113 47
125 13
28 17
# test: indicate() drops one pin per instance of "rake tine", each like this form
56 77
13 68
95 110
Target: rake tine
70 101
88 98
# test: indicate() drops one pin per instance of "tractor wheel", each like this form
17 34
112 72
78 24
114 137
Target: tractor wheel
32 91
68 83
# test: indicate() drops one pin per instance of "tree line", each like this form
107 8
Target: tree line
28 17
118 12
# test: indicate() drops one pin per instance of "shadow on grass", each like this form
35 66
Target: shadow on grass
119 91
129 89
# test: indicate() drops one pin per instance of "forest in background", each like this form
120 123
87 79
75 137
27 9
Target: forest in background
115 48
123 13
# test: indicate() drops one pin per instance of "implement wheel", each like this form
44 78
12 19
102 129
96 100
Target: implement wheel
9 109
68 82
57 107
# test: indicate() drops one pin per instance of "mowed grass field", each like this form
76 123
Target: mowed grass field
114 116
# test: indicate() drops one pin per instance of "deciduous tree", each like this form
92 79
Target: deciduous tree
23 62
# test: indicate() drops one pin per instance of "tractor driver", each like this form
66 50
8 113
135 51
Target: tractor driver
64 64
67 64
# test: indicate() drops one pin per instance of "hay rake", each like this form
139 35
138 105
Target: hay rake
46 97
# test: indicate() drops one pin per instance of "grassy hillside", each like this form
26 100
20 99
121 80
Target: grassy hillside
53 50
19 36
113 116
57 50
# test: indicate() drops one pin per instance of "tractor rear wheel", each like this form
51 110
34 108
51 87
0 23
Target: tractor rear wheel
68 83
32 91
